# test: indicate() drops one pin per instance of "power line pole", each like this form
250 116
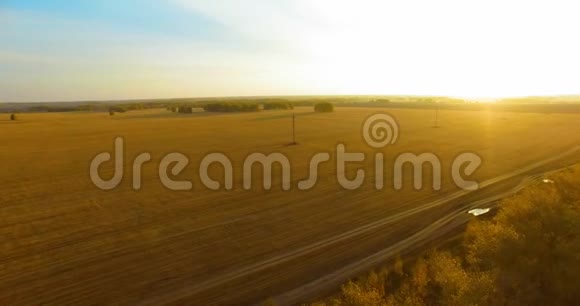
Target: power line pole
293 128
436 116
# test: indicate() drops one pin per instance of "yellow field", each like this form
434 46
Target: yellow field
64 241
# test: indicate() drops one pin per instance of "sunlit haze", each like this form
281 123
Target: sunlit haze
90 50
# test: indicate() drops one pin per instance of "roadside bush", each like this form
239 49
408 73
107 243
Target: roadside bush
324 107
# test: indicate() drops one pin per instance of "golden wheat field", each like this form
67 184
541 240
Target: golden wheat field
64 241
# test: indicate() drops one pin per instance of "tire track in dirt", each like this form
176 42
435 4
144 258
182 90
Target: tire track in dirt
293 295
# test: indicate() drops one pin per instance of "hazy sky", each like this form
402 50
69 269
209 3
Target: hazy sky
113 49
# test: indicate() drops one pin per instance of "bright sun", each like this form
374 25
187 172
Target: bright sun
365 50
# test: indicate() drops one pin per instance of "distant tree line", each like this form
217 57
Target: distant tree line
229 107
185 109
532 104
117 109
55 109
278 105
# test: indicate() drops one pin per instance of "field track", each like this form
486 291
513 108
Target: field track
431 232
528 175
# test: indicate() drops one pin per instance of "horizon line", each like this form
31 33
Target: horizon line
467 98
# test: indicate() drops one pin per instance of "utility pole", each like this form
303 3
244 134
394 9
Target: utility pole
436 116
293 128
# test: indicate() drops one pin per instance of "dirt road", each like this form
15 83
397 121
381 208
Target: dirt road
455 207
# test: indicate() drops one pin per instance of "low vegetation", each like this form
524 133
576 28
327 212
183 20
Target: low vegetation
324 107
526 255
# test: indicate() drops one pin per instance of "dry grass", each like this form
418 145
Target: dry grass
65 242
